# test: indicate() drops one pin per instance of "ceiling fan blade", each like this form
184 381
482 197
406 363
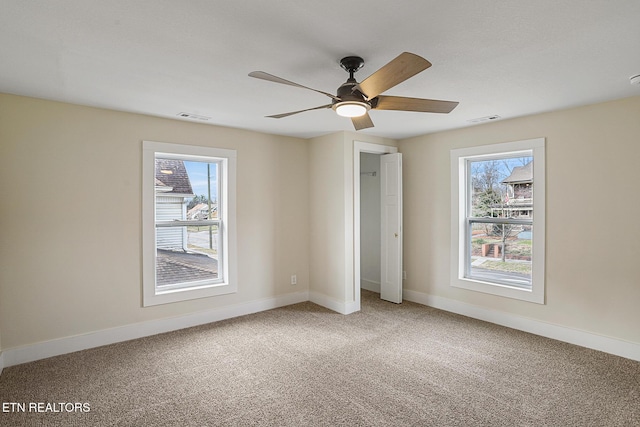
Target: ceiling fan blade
362 122
401 68
279 116
401 103
270 77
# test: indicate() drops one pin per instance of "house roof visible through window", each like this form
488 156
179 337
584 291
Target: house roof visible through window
520 174
172 173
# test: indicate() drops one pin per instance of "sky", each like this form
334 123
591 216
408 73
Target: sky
197 172
505 166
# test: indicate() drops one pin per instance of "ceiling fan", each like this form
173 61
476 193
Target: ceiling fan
355 99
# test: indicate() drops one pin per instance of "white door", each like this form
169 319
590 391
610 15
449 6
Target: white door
391 218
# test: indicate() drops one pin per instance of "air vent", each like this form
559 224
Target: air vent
485 119
194 117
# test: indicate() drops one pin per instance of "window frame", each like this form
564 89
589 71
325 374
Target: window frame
460 241
227 259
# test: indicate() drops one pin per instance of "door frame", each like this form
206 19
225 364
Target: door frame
361 147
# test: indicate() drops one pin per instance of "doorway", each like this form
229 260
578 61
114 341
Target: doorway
377 248
370 225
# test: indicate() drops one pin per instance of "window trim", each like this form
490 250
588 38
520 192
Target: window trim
227 217
459 176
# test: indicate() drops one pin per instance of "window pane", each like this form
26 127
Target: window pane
186 190
195 259
501 187
205 180
501 253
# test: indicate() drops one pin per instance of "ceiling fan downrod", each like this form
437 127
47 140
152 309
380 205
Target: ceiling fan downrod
351 64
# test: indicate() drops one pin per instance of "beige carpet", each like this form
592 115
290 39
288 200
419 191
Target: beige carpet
303 365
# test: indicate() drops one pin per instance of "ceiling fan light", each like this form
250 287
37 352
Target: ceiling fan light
351 108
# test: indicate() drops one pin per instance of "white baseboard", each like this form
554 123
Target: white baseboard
370 285
351 307
334 304
42 350
610 345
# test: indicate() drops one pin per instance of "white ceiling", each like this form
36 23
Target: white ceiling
163 57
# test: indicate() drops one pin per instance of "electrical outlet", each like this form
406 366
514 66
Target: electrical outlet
294 280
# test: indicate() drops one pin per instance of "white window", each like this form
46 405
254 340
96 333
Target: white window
497 226
188 222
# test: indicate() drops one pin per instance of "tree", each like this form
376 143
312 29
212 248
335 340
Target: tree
484 201
488 194
504 231
486 175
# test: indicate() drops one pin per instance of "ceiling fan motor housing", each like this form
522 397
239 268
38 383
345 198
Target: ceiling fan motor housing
352 102
348 92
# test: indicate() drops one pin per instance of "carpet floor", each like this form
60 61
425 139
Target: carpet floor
303 365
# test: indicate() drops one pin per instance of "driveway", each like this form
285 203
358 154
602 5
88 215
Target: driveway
201 239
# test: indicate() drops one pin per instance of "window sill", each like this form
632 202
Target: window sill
499 290
185 294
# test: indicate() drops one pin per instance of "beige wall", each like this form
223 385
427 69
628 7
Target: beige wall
70 251
70 216
326 220
592 236
331 213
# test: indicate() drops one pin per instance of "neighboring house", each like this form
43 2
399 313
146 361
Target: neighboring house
518 201
201 211
172 189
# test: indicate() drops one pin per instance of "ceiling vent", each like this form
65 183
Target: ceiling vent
194 117
485 119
